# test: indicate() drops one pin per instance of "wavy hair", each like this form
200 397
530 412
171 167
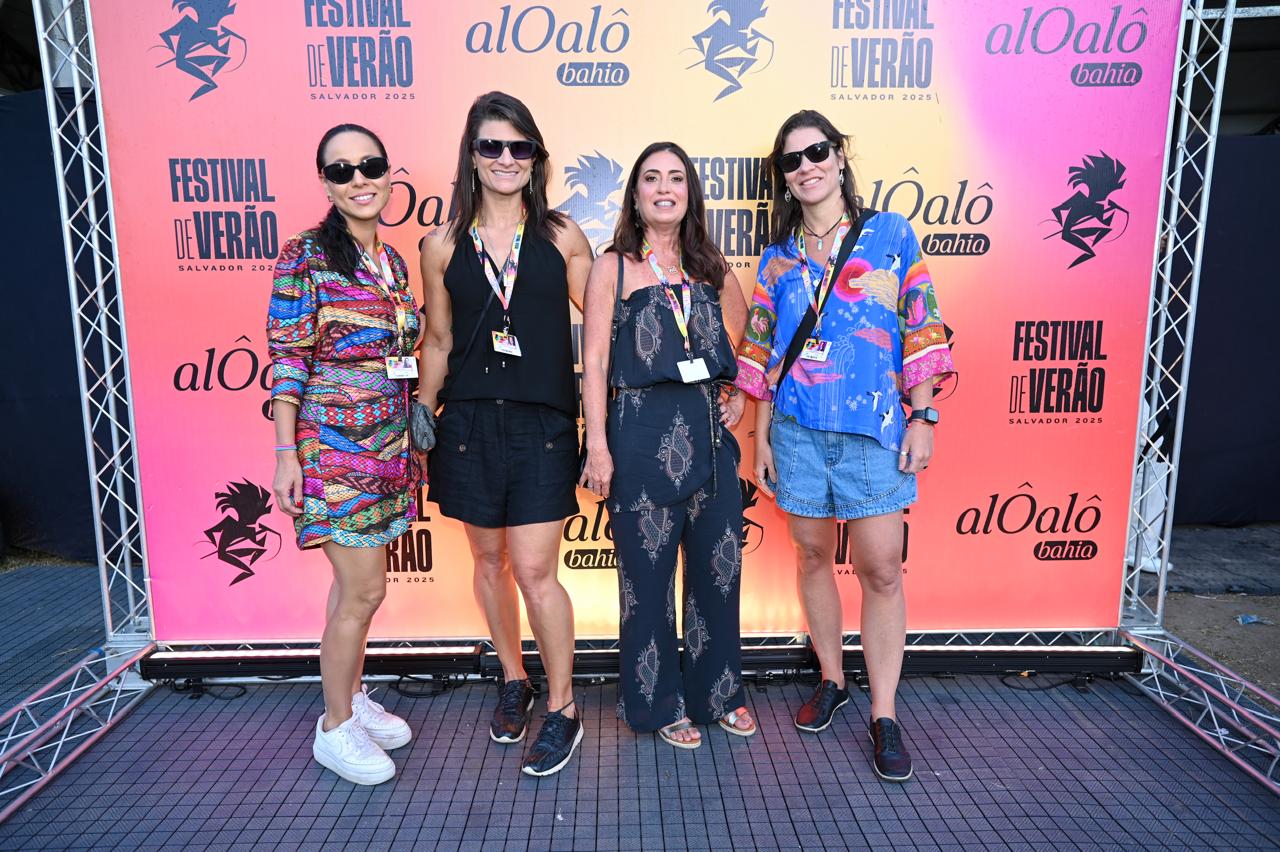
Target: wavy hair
702 259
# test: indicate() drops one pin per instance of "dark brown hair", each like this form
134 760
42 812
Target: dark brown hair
785 216
335 237
702 258
499 106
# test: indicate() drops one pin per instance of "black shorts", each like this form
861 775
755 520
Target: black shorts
499 463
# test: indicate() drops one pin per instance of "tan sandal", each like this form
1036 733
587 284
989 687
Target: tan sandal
730 723
677 727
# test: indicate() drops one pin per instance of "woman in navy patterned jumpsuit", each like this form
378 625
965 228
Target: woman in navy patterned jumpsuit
663 457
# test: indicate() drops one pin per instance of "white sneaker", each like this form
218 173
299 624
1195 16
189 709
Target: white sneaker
348 751
386 729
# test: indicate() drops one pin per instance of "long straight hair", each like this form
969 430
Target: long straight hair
499 106
702 258
335 237
786 216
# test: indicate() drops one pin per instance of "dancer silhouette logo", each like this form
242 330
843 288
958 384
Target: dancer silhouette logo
595 186
732 47
1088 218
202 45
239 538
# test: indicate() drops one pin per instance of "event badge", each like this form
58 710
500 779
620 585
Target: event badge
693 370
506 343
402 367
815 350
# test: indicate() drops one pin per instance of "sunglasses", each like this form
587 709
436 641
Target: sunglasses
815 153
371 167
491 149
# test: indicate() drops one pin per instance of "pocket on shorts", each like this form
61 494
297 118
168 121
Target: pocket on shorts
558 457
449 464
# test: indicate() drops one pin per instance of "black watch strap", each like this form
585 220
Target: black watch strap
928 415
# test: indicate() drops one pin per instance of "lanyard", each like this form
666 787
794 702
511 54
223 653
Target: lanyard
381 271
682 317
502 290
818 295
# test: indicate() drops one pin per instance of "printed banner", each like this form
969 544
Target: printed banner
1024 143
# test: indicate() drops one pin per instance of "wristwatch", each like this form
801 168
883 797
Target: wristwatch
925 415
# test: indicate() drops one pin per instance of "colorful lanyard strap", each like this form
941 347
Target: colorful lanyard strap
682 317
818 295
504 289
381 271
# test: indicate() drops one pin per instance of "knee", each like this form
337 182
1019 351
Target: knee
812 558
489 567
881 577
533 579
363 601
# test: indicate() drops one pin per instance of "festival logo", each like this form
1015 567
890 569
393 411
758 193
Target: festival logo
888 55
844 564
366 54
1087 219
227 217
1023 514
237 369
240 538
1062 381
1060 28
426 209
731 47
202 46
537 28
955 211
410 557
590 539
752 532
737 194
594 180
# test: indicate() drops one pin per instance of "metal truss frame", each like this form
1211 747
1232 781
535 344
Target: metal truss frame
1233 715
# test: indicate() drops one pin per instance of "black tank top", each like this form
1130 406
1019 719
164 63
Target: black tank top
543 373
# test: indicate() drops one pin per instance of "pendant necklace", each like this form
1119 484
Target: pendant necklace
820 237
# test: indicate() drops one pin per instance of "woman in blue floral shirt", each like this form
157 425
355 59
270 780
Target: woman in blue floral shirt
832 438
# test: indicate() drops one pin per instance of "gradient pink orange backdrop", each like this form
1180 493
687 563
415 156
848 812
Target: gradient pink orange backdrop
1013 121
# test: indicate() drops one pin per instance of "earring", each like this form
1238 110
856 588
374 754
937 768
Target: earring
475 180
842 178
786 196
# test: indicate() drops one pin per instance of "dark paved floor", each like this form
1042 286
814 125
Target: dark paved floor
51 616
1209 560
996 769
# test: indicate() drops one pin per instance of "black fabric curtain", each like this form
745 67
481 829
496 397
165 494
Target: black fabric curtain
44 479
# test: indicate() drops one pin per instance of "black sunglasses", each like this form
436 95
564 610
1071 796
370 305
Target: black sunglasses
816 153
371 167
491 149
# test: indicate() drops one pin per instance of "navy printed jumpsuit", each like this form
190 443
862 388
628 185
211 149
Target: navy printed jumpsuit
674 488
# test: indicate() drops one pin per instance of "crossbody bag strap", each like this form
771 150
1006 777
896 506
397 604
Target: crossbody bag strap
810 318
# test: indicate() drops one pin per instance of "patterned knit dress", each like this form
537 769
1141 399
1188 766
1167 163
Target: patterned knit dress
328 335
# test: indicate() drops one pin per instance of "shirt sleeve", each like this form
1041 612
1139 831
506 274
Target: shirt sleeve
925 353
291 323
756 349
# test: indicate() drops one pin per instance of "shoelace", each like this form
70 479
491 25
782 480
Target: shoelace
553 731
368 699
822 695
511 699
358 738
891 737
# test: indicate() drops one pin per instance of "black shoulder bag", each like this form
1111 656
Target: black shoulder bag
810 319
613 342
422 422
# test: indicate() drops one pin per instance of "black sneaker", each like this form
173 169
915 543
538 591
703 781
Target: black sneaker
817 712
511 717
892 760
554 746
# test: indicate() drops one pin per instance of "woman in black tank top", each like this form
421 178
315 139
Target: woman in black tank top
498 280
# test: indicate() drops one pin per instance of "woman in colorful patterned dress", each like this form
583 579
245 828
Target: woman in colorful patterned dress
341 332
832 439
666 303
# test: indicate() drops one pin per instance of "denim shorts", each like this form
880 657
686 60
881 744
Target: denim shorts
836 474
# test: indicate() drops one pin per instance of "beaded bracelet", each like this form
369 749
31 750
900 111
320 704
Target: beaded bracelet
286 447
